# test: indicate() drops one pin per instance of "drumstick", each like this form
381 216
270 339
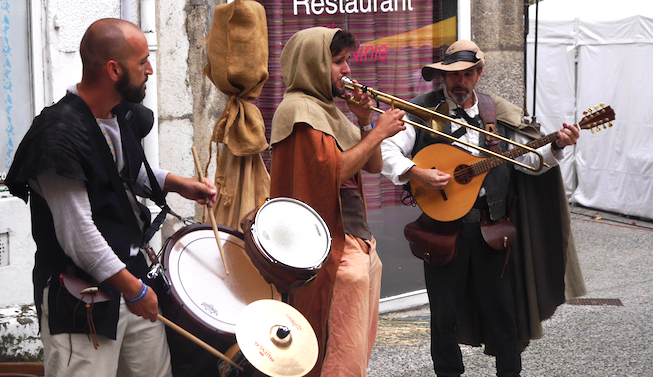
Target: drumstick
211 214
197 340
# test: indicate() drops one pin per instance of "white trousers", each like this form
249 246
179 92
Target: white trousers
140 349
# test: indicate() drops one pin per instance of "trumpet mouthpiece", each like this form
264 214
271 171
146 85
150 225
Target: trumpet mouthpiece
346 80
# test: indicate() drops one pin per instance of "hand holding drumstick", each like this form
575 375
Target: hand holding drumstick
210 211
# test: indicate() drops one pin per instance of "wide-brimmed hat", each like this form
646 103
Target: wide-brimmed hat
460 56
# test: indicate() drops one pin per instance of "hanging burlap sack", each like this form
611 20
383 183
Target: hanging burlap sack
237 52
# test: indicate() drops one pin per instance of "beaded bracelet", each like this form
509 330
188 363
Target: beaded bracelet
369 127
139 296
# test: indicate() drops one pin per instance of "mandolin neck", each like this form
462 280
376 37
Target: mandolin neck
492 162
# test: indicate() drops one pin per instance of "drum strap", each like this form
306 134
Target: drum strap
157 193
160 199
158 196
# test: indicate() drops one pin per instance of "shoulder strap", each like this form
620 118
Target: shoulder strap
488 112
157 193
107 159
159 198
486 108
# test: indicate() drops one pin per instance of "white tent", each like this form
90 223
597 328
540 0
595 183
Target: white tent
591 52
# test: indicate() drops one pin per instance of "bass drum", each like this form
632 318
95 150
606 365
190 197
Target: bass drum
203 298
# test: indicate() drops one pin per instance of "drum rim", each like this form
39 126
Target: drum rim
314 212
273 261
176 297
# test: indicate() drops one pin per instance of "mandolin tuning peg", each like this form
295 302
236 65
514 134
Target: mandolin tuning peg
609 124
598 129
591 129
596 107
585 113
602 104
589 110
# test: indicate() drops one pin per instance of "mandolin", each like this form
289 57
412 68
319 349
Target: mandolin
468 171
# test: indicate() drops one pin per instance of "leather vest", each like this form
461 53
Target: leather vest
120 229
497 180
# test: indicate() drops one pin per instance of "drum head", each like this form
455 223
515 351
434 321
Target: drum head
292 233
199 281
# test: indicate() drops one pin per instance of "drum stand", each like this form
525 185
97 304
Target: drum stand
227 370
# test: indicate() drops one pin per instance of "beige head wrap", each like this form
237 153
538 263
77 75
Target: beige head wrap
306 71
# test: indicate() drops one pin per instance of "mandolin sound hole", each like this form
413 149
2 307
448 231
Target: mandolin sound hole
462 174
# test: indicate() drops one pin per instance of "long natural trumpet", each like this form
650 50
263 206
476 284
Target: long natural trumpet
426 113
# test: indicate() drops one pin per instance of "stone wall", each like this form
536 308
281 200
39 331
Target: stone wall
497 29
189 104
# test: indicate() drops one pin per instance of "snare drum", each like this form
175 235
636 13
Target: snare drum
203 299
287 241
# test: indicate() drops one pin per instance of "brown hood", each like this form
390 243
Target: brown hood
306 71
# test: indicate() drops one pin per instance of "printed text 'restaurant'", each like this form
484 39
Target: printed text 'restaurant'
318 7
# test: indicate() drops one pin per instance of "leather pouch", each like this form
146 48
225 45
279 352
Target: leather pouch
499 234
432 241
81 306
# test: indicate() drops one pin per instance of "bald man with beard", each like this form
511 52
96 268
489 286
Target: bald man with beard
82 166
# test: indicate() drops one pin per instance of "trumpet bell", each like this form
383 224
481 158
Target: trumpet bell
438 123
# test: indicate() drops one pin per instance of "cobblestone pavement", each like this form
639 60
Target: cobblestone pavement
601 339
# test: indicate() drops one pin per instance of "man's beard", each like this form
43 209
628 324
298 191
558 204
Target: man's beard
131 93
460 97
337 92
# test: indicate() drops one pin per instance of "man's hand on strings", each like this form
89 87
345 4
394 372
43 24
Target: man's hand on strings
431 179
568 135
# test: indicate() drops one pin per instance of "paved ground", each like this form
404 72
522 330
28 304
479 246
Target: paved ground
616 255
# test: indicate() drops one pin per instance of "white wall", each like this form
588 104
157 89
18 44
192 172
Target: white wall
176 129
16 277
67 20
56 34
57 29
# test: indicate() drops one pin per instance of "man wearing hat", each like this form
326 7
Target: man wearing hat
477 294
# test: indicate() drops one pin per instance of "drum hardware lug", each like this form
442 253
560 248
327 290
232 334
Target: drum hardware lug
166 282
154 272
157 270
187 221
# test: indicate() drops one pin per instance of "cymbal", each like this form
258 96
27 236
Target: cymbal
276 339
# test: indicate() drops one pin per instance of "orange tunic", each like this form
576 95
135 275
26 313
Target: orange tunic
306 166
